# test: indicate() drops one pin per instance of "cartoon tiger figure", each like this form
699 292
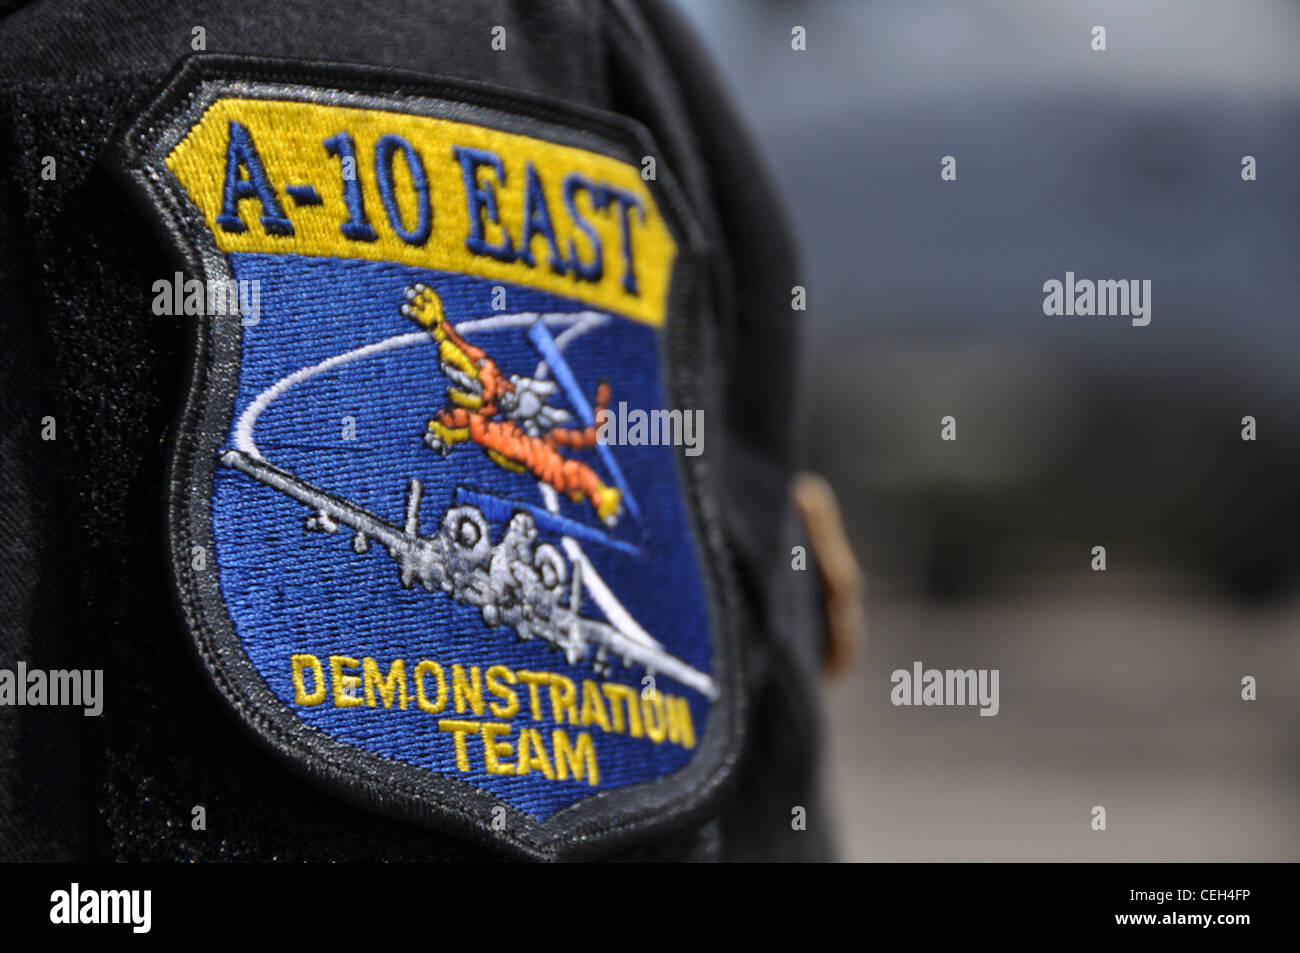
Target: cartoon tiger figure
509 418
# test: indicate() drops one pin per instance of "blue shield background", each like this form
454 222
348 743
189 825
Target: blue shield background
289 592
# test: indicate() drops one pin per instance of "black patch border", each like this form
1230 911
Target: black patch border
600 824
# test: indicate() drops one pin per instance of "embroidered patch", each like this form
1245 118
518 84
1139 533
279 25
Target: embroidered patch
416 547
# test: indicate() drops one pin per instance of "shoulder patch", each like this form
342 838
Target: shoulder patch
439 524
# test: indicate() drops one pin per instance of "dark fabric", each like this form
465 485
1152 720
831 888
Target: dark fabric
46 802
83 578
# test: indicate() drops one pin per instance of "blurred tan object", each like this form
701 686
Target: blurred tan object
840 572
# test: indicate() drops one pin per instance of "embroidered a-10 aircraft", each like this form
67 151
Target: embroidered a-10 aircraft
508 418
513 583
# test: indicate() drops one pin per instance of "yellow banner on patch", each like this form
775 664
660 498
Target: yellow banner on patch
301 178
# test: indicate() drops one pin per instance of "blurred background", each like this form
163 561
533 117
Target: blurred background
1119 688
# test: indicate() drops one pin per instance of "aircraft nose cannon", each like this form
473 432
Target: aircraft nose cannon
465 529
550 566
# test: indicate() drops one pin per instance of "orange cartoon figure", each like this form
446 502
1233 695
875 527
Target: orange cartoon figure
509 418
